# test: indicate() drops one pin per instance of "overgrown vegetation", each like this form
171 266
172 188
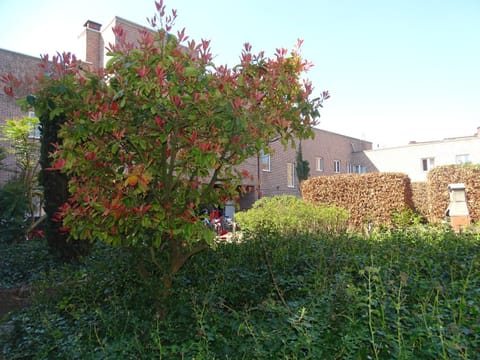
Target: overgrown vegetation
13 208
401 294
288 215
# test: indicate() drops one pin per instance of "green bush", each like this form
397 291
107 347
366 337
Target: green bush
400 294
13 210
288 215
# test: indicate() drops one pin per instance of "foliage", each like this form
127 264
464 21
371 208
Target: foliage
406 217
287 215
23 263
404 294
17 132
13 207
302 166
167 132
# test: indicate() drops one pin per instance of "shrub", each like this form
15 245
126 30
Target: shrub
13 207
402 294
289 215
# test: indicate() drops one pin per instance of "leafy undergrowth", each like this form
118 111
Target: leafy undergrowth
411 294
22 263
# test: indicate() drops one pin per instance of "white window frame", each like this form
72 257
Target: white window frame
264 161
462 159
337 166
427 164
290 175
349 168
319 163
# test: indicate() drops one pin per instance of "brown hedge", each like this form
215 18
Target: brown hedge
370 198
438 196
420 198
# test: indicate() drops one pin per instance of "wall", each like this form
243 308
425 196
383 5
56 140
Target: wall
408 158
328 145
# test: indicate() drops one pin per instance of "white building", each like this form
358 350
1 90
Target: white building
417 158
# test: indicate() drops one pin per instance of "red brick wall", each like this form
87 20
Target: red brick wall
330 146
274 182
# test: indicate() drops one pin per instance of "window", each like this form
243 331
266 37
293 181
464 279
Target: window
35 132
428 164
336 166
264 161
349 168
319 164
359 169
290 175
462 159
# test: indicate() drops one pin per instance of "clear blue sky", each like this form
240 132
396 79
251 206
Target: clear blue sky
397 70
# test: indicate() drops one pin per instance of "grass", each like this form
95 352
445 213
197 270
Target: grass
406 294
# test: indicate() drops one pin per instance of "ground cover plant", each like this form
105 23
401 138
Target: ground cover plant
399 294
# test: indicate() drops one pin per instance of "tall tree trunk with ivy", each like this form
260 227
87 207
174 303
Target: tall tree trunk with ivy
55 186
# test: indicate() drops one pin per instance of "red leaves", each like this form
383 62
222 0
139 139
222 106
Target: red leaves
325 95
181 35
177 100
8 90
237 103
143 71
58 165
160 75
119 32
245 173
205 146
160 122
146 38
114 106
11 83
142 209
90 156
118 134
35 233
194 136
280 53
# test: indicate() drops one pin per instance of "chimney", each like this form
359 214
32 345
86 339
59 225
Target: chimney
93 44
478 132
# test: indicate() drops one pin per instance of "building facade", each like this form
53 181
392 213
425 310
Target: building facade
416 159
327 153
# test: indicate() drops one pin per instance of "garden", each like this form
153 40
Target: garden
119 264
281 293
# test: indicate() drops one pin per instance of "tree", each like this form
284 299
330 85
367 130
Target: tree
167 132
302 166
17 132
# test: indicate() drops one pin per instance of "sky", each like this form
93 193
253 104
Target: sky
396 70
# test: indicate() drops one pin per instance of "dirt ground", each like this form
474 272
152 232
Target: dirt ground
13 299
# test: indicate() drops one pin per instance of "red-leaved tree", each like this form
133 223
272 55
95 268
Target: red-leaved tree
162 129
